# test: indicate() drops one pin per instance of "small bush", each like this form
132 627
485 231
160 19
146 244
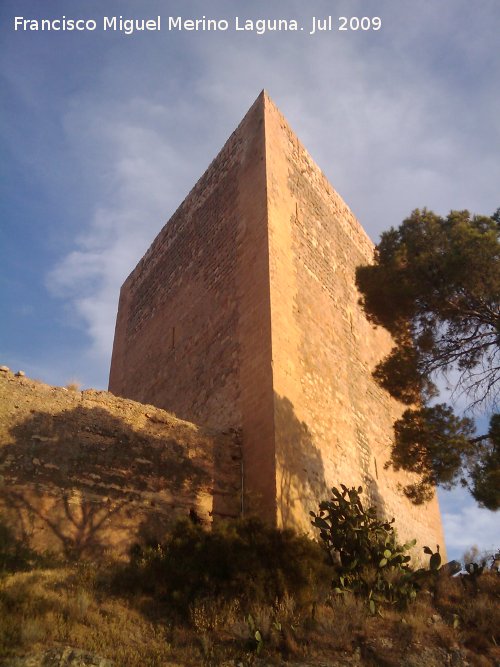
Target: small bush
73 385
241 559
343 618
209 615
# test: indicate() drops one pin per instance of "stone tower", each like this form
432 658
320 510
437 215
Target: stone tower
244 313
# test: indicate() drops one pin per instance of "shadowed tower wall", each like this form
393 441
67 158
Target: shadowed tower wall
244 313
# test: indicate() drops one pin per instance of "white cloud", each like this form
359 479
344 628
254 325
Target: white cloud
466 524
372 112
138 175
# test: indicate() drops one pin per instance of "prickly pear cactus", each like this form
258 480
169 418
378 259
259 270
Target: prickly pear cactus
372 563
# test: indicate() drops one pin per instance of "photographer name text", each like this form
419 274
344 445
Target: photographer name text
260 26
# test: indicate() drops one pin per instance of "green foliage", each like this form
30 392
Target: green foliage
371 563
485 470
434 443
435 285
243 559
437 272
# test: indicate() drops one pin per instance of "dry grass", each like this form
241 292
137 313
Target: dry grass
209 615
337 624
481 620
47 607
74 605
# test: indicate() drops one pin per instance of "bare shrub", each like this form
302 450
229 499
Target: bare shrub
342 618
78 605
73 385
285 610
212 615
262 616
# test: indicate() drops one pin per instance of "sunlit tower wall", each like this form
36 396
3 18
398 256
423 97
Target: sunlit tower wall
244 314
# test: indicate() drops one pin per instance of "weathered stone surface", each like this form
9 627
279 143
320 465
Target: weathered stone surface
244 313
88 473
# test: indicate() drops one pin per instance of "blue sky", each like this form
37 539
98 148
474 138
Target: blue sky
104 134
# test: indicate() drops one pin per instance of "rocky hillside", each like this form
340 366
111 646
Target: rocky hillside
85 472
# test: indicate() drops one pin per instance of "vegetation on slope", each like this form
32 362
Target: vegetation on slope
240 594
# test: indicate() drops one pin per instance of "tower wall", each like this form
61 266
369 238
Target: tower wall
193 327
333 423
244 313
